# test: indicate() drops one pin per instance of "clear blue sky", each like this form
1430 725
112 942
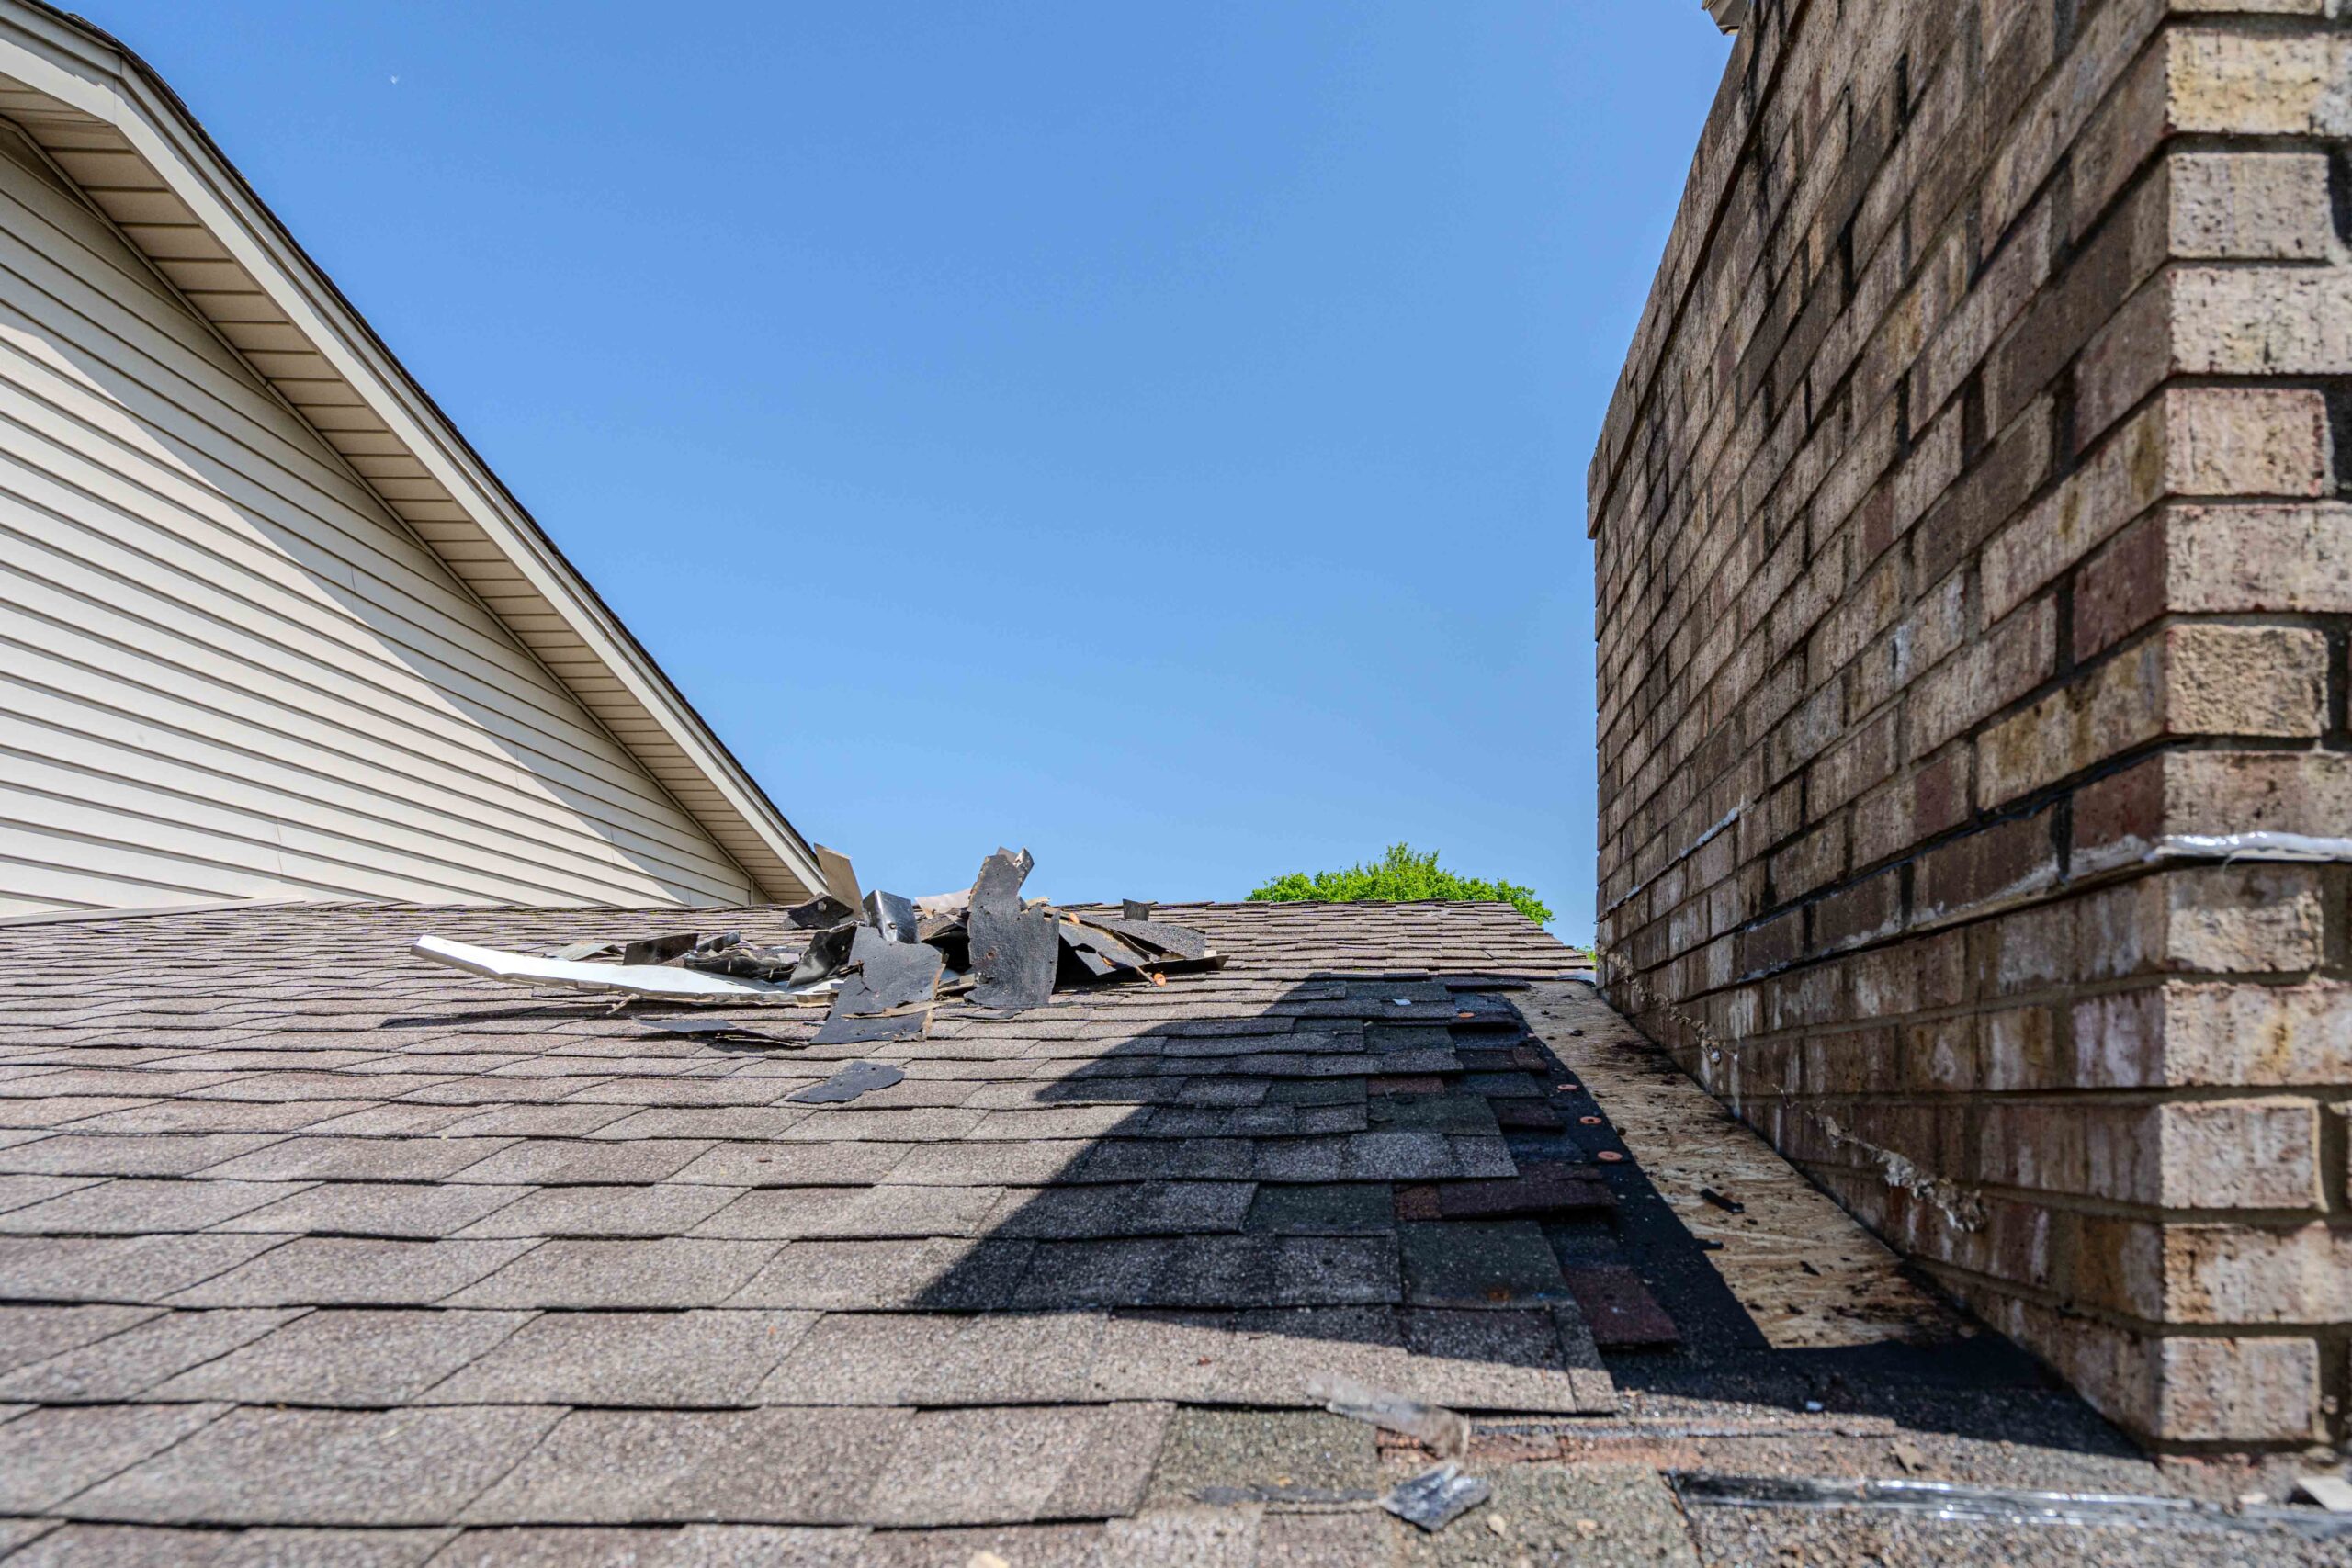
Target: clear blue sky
1154 435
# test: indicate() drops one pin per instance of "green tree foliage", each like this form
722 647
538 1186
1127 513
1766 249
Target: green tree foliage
1400 877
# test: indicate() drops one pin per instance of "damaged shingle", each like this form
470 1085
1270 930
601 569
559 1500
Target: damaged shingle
1014 951
879 974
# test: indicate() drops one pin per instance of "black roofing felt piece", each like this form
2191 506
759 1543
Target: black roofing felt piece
858 1078
776 965
828 951
894 916
728 953
1179 941
871 1031
1099 951
888 974
821 913
1078 964
1014 951
659 949
721 1029
951 936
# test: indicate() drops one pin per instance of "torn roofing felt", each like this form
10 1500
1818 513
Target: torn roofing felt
878 972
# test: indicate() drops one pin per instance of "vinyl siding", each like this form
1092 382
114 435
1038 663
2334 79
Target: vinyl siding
226 671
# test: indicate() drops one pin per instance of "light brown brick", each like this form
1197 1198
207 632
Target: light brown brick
2193 1034
1983 678
2236 1391
2215 559
2066 528
1869 911
2195 442
1853 765
2265 83
2249 205
2190 679
2239 1274
2232 680
2231 1154
1817 858
2206 801
2246 920
1990 867
2261 320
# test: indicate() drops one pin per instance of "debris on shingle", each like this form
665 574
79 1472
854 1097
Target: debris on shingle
643 980
1175 942
894 916
887 973
821 913
841 880
1014 951
661 949
880 963
721 1029
858 1078
826 953
2330 1491
1445 1432
910 1023
1096 950
1473 1009
1435 1498
728 953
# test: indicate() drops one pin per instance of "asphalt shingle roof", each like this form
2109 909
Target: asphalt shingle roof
299 1233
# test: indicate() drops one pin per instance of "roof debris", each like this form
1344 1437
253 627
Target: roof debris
1435 1498
1013 949
1445 1432
2330 1491
671 984
858 1078
879 961
724 1030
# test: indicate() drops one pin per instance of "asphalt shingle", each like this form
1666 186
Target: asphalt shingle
49 1455
337 1356
629 1358
744 1466
126 1365
412 1466
442 1254
317 1270
673 1271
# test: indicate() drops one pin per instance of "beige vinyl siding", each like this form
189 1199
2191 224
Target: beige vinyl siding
226 671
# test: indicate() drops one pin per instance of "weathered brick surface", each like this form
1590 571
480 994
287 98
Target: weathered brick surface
1974 566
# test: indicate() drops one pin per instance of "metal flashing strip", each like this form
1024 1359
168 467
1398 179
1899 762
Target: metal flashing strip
2004 1505
634 979
2259 845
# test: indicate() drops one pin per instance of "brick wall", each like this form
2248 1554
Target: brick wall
1972 563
